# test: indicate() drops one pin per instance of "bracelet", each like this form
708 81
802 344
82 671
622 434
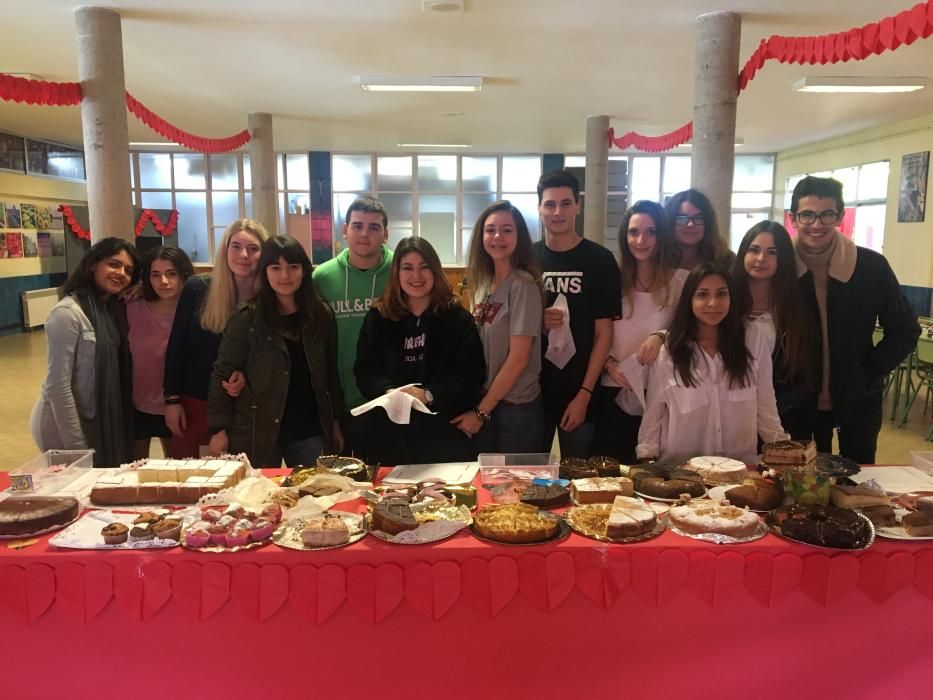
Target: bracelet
481 414
661 334
172 400
588 391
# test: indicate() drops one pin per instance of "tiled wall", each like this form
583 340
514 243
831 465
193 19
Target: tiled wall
11 306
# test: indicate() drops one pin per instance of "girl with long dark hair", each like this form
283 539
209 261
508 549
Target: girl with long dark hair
86 400
768 294
418 333
696 230
710 391
651 286
286 347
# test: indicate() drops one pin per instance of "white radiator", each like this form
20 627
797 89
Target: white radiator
37 304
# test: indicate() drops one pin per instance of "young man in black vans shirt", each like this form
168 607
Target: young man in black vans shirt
588 276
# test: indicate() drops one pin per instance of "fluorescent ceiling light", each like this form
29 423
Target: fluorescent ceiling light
435 145
738 144
861 84
421 83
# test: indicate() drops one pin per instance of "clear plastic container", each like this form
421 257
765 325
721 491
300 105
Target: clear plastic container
923 461
496 468
50 472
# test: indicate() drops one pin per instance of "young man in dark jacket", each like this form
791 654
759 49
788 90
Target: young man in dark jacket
850 290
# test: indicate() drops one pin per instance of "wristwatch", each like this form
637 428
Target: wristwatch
429 396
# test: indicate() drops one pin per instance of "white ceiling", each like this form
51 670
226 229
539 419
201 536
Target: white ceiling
547 63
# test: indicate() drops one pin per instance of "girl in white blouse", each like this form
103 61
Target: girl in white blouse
710 392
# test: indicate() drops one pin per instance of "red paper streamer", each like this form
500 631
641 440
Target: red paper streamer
146 216
38 92
652 144
196 143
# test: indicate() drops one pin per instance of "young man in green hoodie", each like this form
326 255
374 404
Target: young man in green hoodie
350 283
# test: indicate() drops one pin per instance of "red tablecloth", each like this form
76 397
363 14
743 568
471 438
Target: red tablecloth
463 618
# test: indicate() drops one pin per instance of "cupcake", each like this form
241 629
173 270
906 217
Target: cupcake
114 533
197 537
211 515
141 533
272 512
147 518
219 532
237 537
235 512
261 530
168 529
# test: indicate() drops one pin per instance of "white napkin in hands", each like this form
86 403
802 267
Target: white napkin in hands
633 402
560 345
397 404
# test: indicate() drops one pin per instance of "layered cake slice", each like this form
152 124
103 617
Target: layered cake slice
393 516
600 489
788 452
325 531
630 517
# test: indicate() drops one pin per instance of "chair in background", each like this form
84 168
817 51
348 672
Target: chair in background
899 379
924 365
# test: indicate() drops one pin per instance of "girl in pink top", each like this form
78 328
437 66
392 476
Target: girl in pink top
164 272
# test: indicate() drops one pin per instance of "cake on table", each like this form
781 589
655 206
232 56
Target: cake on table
576 468
788 452
670 485
327 530
393 515
25 515
515 523
167 481
545 495
859 496
697 517
918 524
880 516
827 526
630 517
600 489
605 466
757 494
719 470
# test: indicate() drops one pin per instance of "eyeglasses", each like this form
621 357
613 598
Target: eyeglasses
826 217
683 220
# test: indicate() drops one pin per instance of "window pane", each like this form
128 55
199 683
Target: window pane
279 172
437 220
189 171
224 174
132 172
873 180
398 208
156 200
646 178
740 223
248 204
282 209
299 203
753 173
296 172
437 173
479 174
12 152
849 179
520 173
574 161
751 200
869 226
789 186
393 174
65 162
341 203
192 224
527 204
226 208
247 174
155 171
676 174
473 205
352 173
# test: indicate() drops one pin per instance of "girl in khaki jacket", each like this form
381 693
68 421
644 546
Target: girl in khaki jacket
286 346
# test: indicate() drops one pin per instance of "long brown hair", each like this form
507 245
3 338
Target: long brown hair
480 268
682 335
793 338
663 257
713 247
394 302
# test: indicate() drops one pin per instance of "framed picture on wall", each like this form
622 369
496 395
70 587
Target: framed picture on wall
30 244
14 245
911 201
13 215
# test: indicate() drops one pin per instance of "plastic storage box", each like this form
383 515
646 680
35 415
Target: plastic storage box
51 471
923 461
496 468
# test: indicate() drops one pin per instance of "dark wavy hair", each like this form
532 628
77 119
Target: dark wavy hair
82 278
826 187
793 337
176 256
663 257
682 335
713 247
480 268
559 178
394 302
311 310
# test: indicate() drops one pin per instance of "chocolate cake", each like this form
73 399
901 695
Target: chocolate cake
919 523
880 516
826 526
757 494
27 515
576 468
671 485
393 516
546 496
605 466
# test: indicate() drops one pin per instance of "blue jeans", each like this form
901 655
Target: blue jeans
300 452
514 428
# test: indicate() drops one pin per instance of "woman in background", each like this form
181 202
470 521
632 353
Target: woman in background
509 417
164 272
206 304
286 346
86 400
651 286
696 230
418 333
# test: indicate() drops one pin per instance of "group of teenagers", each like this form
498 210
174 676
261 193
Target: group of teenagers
682 348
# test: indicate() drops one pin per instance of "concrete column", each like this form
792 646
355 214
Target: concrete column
715 90
262 171
103 118
597 178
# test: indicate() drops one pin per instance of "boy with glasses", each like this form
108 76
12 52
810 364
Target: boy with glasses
849 289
